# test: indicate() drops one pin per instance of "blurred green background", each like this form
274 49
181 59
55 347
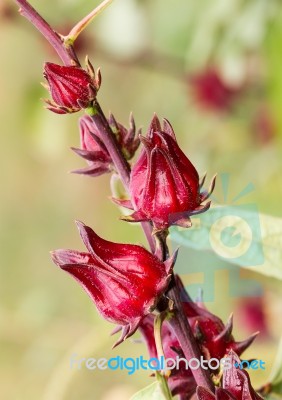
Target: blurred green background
213 68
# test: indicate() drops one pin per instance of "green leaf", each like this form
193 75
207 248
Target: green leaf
151 392
238 235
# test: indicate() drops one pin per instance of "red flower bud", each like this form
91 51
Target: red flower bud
236 385
93 149
165 185
125 281
252 315
72 88
128 139
214 338
211 92
237 381
204 394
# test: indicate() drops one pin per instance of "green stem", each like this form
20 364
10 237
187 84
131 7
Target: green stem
81 25
158 334
164 385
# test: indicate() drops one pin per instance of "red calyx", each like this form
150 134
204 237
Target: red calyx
72 88
165 186
124 281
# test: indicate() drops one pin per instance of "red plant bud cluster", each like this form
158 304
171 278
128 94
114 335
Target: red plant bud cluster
126 282
214 339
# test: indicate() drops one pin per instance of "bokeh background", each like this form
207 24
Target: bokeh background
213 68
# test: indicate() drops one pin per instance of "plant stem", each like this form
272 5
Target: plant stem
66 54
180 324
159 319
184 334
164 386
119 161
81 25
101 123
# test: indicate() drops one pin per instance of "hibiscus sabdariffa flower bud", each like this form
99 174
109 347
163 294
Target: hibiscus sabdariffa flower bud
128 139
92 149
165 186
72 88
95 152
236 384
213 337
125 281
212 92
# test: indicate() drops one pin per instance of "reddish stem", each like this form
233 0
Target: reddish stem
180 324
184 334
66 54
102 125
119 161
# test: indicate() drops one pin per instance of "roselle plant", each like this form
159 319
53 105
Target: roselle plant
133 287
